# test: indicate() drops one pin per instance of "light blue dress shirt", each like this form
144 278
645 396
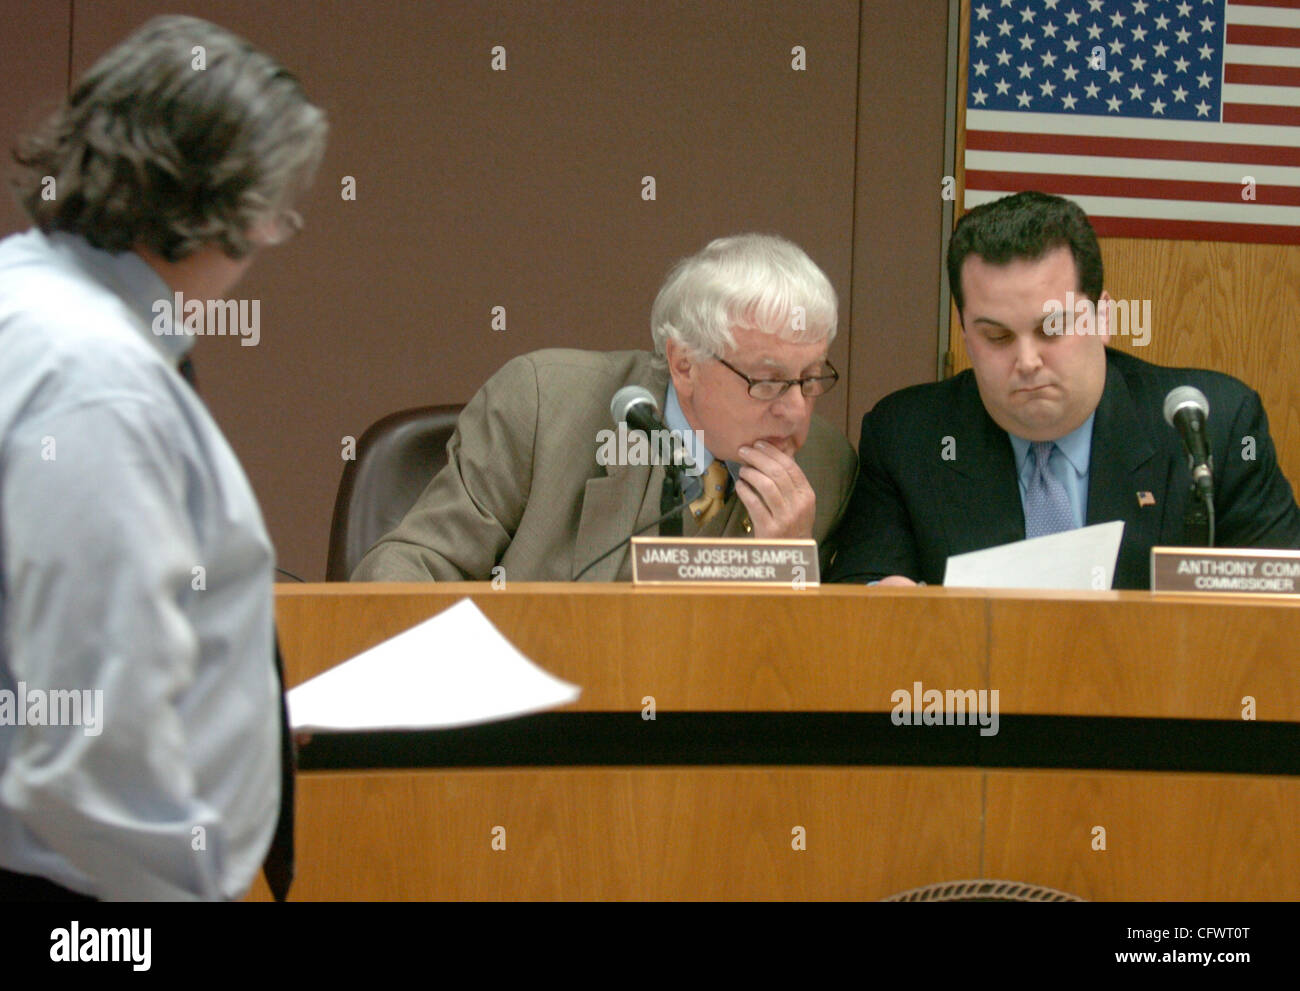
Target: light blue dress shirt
1069 464
675 419
134 562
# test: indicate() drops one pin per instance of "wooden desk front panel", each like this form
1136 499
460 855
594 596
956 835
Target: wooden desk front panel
1169 837
692 649
725 833
839 648
614 833
1145 655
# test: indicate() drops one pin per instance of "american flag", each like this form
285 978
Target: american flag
1159 118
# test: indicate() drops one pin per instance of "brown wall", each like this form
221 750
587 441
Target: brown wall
34 77
522 189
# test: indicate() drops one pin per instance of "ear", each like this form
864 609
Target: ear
1103 316
681 366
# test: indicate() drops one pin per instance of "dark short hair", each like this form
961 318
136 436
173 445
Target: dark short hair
154 148
1025 226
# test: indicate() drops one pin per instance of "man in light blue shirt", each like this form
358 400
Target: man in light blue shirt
140 732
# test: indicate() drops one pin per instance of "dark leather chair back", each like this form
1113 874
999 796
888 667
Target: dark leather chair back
396 459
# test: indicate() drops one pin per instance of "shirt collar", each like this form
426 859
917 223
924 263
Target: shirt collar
675 419
1076 447
139 287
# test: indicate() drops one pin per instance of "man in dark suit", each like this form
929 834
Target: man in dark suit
1050 428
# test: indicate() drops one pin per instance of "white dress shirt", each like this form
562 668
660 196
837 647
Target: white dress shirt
134 562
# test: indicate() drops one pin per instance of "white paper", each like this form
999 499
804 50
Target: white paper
455 669
1060 560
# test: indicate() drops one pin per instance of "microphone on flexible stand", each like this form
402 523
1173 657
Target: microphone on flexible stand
675 511
1188 411
636 406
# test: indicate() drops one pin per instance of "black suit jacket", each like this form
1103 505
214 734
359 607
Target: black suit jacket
938 476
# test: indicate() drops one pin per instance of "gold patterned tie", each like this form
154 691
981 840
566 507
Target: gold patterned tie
714 495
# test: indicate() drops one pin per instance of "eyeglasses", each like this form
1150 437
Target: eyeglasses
770 389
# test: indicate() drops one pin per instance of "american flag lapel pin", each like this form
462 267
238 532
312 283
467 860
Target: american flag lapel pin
1146 499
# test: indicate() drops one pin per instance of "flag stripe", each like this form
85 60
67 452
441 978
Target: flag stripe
1064 144
1150 168
1197 230
1259 55
1257 34
1254 113
1282 12
1263 75
1229 135
1230 214
1238 5
1160 189
1282 96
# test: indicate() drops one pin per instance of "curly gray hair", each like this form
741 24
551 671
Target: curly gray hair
181 136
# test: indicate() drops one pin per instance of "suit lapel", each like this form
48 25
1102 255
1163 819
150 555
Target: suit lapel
980 493
617 503
613 507
1124 464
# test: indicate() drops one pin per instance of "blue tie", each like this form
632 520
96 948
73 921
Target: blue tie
1047 505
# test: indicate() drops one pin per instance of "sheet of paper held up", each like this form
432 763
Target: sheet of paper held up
1059 560
455 669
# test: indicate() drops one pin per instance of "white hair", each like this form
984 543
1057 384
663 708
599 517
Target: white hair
746 282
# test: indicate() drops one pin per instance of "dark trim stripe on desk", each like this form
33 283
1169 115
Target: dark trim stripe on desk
576 739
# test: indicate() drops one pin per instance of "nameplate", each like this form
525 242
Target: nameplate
725 561
1225 571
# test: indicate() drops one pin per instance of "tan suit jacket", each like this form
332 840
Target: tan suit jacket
522 487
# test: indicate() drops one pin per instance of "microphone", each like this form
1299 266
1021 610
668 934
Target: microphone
1187 410
635 405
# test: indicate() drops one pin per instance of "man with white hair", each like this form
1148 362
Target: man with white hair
741 332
